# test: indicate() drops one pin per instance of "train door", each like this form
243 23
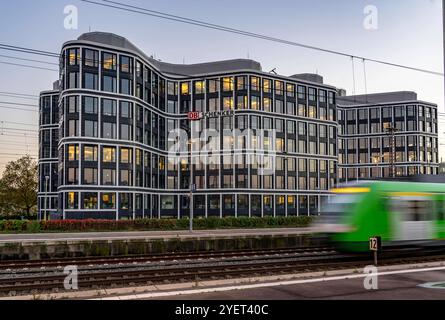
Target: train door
439 210
412 218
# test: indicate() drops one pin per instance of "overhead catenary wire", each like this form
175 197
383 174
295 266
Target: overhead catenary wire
162 15
27 66
29 60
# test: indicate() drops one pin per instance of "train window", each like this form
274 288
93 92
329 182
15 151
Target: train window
440 209
420 210
411 209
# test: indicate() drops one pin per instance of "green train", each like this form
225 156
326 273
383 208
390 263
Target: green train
402 213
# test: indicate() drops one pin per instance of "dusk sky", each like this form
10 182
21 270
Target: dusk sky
409 32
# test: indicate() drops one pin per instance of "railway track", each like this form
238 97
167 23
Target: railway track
250 264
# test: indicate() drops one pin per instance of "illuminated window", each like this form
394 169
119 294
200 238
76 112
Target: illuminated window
213 86
241 102
109 154
125 156
267 103
241 83
267 85
199 87
185 89
290 90
254 103
109 61
255 83
227 84
108 201
228 103
72 200
73 153
73 57
89 200
90 153
279 87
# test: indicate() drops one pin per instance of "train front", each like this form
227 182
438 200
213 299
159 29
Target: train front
342 216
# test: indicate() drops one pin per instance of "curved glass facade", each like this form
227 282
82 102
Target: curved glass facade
118 108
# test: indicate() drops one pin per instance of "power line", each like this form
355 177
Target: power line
17 97
31 60
19 94
27 66
162 15
19 104
28 50
17 129
21 109
20 123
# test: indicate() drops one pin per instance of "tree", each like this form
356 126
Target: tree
18 187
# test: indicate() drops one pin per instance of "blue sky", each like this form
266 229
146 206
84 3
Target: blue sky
409 32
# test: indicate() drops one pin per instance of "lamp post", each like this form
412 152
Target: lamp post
46 197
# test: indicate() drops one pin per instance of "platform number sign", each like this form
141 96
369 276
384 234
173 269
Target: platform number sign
375 243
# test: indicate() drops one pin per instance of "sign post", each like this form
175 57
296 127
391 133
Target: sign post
375 245
192 189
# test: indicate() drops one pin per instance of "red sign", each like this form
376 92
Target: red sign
193 116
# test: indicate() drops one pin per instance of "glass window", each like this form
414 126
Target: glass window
73 152
241 83
108 177
255 83
108 107
89 200
90 176
91 58
72 200
72 104
126 64
109 84
90 81
126 86
200 87
126 155
90 153
228 84
90 105
108 130
126 109
73 56
90 128
109 154
267 86
185 88
109 61
108 201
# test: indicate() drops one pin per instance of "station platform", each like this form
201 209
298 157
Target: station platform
141 235
90 244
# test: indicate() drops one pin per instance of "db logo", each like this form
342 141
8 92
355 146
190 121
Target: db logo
194 115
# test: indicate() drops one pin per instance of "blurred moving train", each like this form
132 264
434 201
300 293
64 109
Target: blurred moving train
402 213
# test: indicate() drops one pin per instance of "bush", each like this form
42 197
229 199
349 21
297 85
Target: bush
199 223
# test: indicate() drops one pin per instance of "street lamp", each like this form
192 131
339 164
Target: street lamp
46 196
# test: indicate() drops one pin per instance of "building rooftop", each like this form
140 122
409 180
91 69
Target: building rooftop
190 70
377 98
170 68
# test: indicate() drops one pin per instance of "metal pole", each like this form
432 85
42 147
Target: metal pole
443 25
46 197
375 258
191 211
